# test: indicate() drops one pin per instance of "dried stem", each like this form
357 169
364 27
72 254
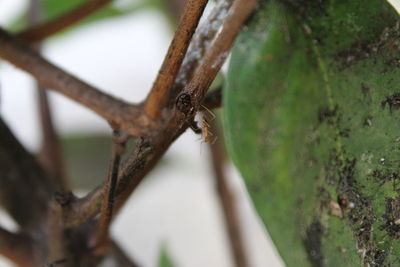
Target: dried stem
50 154
106 213
43 30
200 44
228 202
119 114
159 94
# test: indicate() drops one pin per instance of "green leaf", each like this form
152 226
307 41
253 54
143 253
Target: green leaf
312 108
54 8
164 259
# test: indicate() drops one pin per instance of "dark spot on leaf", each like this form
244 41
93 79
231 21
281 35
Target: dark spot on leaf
313 244
392 218
392 101
364 89
326 114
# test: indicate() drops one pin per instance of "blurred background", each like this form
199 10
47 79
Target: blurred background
176 207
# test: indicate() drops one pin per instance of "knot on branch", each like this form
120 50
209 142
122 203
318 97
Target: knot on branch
184 103
63 198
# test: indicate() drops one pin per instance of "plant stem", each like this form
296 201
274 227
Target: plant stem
50 154
215 57
159 94
101 237
228 202
118 113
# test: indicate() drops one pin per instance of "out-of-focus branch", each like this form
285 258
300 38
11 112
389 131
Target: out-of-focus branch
176 7
228 202
17 248
43 30
101 239
50 154
120 114
120 256
159 94
23 183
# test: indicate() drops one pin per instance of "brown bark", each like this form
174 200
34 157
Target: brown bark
50 155
228 202
119 113
159 94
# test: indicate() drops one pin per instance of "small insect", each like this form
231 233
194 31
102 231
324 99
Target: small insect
208 136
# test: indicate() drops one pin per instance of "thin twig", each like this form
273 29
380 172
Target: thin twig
215 57
106 213
158 96
41 31
119 113
228 202
200 44
50 154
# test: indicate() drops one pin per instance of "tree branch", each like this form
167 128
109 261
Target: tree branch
101 236
23 183
43 30
158 96
228 202
50 154
215 57
118 113
201 43
151 148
